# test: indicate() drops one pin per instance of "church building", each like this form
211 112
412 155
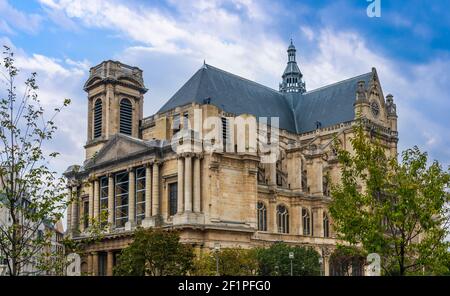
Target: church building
166 170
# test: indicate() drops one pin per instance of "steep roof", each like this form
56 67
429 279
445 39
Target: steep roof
232 94
329 105
297 112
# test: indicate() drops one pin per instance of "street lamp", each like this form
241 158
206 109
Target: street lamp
291 257
217 249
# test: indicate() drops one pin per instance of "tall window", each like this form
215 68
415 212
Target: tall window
121 199
102 264
126 116
140 194
104 199
225 132
262 217
86 214
282 219
98 118
326 225
306 222
173 198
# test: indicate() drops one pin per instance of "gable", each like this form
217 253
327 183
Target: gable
117 147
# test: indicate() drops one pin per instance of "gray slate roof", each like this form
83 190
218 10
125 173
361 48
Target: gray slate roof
297 112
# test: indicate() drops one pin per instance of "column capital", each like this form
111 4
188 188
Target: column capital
148 164
130 170
110 174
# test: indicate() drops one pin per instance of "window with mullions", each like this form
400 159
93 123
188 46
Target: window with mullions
104 200
126 116
282 219
140 194
173 198
262 217
121 199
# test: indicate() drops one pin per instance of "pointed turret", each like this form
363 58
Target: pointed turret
292 76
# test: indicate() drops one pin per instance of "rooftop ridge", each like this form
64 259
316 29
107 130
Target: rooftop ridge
336 83
241 78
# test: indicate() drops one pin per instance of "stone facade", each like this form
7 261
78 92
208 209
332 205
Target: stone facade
231 198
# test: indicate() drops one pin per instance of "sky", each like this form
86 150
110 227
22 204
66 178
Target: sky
409 45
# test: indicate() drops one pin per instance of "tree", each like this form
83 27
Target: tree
155 252
30 192
232 262
275 260
398 209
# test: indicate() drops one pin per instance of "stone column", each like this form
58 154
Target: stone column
188 183
111 200
148 190
326 265
319 223
155 193
74 216
91 201
300 220
272 218
180 185
95 263
197 185
69 209
109 263
272 174
96 198
131 196
89 264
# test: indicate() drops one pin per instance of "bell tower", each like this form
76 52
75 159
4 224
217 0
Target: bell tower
292 76
115 103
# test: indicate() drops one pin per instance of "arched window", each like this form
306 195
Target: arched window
98 118
306 222
326 225
282 219
262 217
126 116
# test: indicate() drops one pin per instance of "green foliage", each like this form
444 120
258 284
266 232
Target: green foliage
345 257
232 262
30 192
155 252
275 260
398 209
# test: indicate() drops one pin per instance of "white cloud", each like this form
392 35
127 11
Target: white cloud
308 32
420 90
239 39
200 30
16 19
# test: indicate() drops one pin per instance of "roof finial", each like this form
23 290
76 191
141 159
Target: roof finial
204 64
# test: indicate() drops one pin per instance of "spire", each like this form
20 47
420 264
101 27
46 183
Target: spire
292 76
